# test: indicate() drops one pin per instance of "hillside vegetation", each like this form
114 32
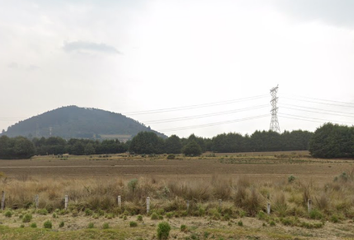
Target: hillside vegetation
75 122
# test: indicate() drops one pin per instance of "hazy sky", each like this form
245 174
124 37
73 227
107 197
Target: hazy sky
210 63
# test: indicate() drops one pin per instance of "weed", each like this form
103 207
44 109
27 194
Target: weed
240 223
154 216
133 224
27 218
91 225
105 226
47 224
8 214
33 225
183 228
61 224
163 230
291 179
140 218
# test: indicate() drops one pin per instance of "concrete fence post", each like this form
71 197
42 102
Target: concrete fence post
268 208
66 200
147 204
3 200
119 202
36 200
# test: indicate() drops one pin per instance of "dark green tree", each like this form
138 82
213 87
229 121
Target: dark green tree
146 143
192 149
173 145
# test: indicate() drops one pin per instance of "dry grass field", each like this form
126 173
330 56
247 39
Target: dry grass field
244 182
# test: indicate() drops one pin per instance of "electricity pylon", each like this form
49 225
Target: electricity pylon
274 124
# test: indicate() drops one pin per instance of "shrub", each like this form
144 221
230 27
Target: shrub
132 184
171 156
291 179
183 228
240 223
133 224
140 218
47 224
105 226
8 214
61 224
334 219
42 211
33 225
154 216
27 218
315 214
272 223
91 225
163 230
88 212
169 215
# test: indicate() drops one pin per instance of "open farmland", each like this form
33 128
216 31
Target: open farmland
244 182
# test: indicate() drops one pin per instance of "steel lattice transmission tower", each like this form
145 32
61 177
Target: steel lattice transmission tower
274 124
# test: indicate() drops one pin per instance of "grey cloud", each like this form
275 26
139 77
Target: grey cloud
89 46
333 12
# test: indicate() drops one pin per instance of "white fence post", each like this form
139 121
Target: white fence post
268 208
36 200
119 202
309 205
66 201
3 200
147 205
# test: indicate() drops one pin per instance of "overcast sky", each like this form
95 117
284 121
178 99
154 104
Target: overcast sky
210 63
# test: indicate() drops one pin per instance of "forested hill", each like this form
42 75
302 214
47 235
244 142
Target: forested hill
75 122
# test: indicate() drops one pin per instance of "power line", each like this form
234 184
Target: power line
205 115
311 119
321 111
213 124
162 110
324 100
318 102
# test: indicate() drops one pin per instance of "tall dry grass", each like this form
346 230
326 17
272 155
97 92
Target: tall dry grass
239 196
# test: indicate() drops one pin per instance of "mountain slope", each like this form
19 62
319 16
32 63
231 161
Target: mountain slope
75 122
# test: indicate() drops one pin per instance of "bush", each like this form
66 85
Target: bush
33 225
8 214
61 224
183 228
47 224
105 226
42 211
91 225
140 218
27 218
169 215
171 156
154 216
88 212
132 184
291 179
315 214
163 230
133 224
240 223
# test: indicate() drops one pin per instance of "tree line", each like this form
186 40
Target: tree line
328 141
150 143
